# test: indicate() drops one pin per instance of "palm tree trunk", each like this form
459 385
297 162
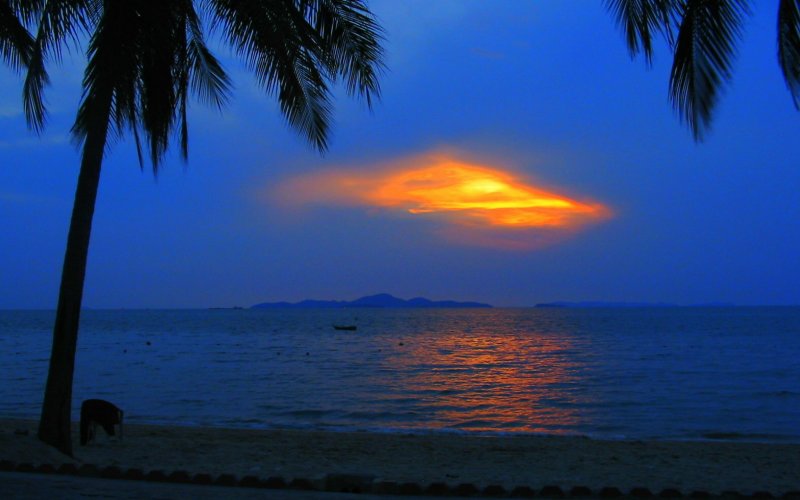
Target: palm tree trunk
55 423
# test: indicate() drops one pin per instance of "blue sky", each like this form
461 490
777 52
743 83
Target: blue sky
544 90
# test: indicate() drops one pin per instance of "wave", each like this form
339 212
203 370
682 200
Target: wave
312 414
749 436
407 416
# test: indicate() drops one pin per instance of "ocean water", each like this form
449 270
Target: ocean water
642 373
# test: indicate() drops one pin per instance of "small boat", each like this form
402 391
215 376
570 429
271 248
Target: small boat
345 327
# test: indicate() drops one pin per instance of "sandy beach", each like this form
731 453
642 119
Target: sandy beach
510 461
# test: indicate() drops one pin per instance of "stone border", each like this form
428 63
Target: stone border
355 483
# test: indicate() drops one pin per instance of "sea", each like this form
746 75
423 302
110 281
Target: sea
667 373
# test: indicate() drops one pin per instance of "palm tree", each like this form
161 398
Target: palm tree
702 35
144 59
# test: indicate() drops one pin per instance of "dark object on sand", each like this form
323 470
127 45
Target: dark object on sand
100 412
345 327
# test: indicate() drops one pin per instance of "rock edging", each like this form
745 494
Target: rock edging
356 483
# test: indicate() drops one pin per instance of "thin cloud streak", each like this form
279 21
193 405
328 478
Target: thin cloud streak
30 142
10 111
470 202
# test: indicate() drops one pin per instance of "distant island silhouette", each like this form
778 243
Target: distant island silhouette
381 300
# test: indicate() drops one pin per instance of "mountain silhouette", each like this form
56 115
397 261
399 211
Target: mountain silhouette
381 300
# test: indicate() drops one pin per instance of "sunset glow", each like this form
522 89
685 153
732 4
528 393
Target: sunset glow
483 201
477 193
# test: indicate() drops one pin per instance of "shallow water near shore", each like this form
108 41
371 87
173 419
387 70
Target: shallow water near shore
641 373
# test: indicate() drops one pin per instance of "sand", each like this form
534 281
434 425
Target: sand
514 460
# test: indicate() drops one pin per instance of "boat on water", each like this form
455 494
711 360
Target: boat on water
345 327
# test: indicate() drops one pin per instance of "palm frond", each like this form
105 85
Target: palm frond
789 46
27 10
704 50
305 99
59 20
287 57
16 44
184 133
640 20
161 48
208 79
182 77
353 38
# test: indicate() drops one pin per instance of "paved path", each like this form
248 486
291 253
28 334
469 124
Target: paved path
29 486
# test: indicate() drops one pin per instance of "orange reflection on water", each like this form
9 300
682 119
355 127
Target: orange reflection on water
481 381
474 202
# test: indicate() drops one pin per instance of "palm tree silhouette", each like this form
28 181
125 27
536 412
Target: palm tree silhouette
702 35
145 58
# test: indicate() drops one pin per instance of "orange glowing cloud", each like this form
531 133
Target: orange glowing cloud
478 204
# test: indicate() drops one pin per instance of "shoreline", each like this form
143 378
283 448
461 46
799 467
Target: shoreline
508 460
732 437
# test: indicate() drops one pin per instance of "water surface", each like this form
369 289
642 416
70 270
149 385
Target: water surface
669 373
